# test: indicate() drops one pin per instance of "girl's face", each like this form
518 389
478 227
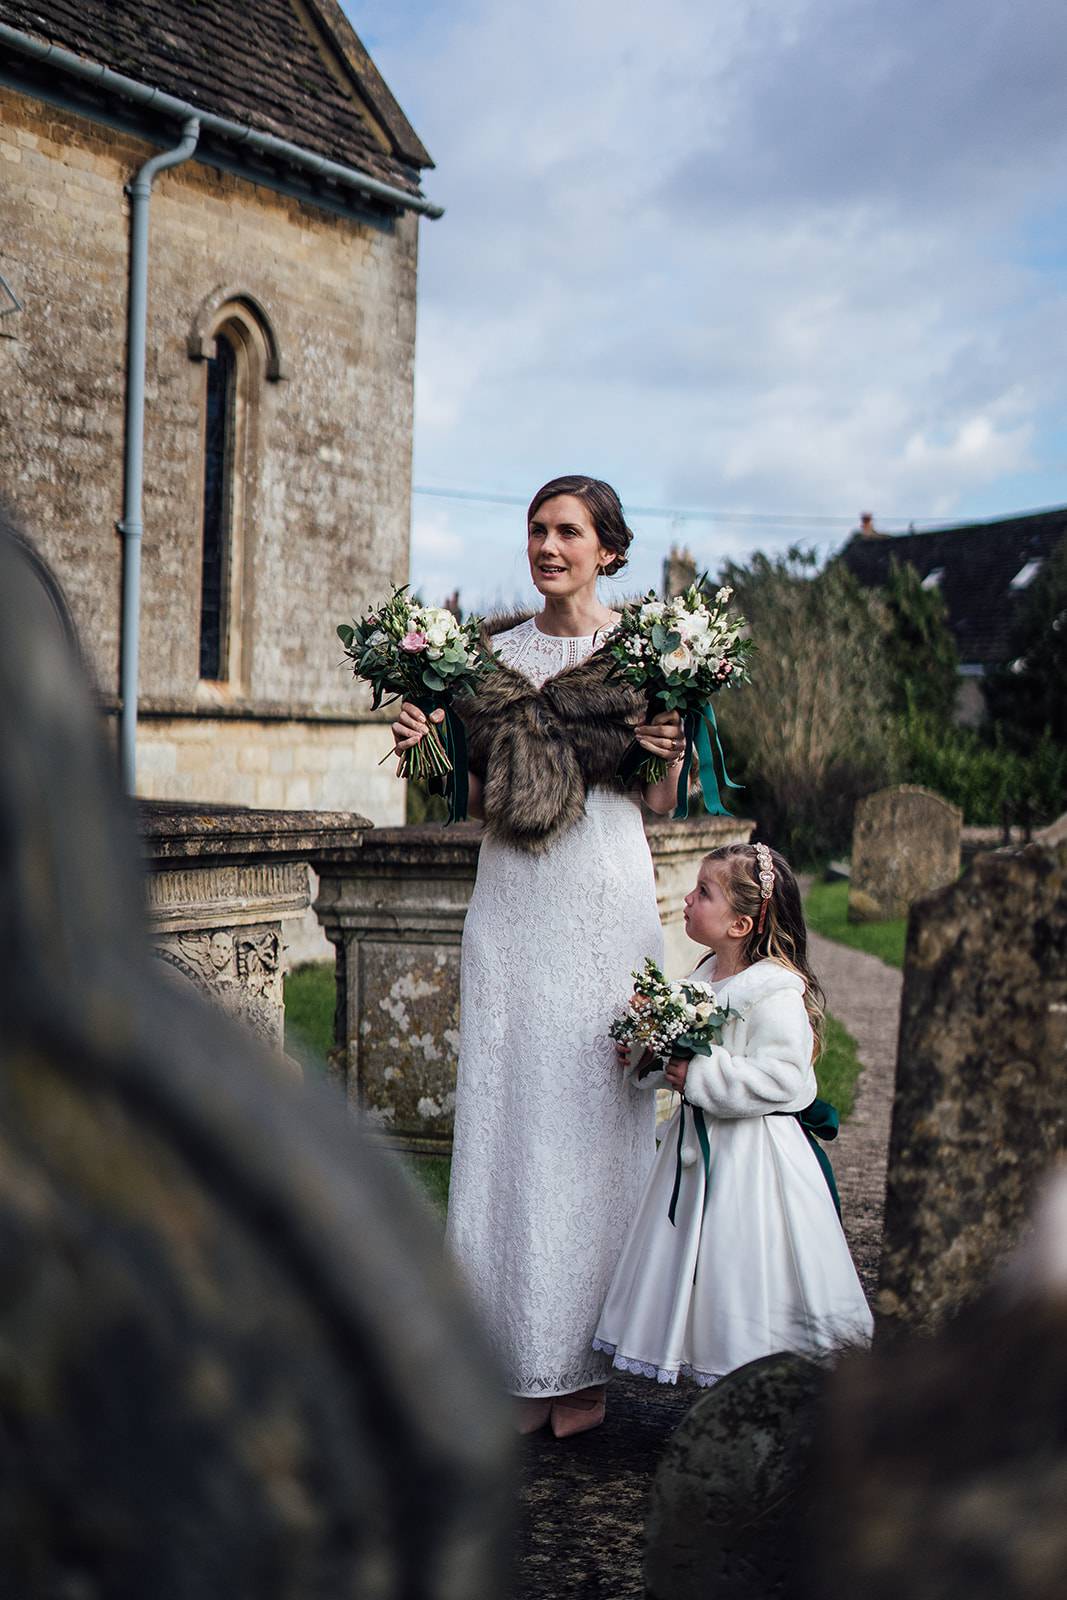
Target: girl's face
710 919
562 547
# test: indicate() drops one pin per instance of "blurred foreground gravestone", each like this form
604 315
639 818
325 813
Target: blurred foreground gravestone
729 1500
940 1471
233 1362
980 1110
905 843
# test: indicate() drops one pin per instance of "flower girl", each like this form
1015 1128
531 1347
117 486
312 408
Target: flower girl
736 1250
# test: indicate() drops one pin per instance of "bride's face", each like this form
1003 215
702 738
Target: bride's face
563 549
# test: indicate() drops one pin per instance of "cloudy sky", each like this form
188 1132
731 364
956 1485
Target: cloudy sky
779 260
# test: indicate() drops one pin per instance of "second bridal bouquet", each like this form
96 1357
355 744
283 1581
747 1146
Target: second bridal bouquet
426 655
681 652
670 1017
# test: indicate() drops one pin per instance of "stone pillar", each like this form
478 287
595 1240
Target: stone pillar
905 843
393 906
394 910
222 884
678 848
981 1094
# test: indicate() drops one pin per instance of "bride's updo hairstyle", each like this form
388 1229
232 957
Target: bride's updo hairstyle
604 508
784 936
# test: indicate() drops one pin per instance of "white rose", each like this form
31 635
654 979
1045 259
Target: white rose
702 1012
437 634
680 659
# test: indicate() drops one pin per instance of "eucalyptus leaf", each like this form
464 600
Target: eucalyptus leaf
346 634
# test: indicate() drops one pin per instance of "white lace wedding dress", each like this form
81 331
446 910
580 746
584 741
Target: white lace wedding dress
552 1145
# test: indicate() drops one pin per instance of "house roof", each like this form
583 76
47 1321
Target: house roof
974 566
291 68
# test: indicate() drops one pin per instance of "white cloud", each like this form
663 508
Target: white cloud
770 255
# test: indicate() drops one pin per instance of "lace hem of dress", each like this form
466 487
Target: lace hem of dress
648 1369
536 1388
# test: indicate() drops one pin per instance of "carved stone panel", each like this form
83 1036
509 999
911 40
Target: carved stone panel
241 968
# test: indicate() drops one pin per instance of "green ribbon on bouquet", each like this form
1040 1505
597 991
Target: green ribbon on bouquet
455 785
701 1128
700 728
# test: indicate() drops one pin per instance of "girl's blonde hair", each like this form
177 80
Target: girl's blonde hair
784 937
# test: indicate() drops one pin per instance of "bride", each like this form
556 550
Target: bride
551 1144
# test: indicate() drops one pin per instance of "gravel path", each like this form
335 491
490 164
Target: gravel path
864 994
583 1500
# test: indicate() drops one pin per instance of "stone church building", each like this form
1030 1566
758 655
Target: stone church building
278 333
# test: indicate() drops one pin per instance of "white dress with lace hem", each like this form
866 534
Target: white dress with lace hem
552 1143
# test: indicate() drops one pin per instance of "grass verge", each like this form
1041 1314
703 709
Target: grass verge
826 910
838 1068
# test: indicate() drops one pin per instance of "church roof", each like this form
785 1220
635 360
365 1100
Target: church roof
982 569
291 68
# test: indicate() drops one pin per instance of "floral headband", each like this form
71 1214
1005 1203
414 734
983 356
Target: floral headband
765 873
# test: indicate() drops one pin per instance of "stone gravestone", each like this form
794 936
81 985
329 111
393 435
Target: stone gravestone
905 843
729 1500
940 1471
235 1362
981 1092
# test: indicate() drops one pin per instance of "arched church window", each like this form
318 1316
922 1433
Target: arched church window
233 338
216 574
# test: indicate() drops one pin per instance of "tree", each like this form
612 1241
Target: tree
813 731
922 662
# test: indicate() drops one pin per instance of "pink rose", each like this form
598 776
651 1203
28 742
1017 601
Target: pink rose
725 668
413 643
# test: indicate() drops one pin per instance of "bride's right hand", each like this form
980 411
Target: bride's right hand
412 726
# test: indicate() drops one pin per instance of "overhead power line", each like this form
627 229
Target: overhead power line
681 513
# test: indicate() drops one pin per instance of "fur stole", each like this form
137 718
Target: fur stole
538 751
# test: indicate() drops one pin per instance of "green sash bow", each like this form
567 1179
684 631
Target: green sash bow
819 1121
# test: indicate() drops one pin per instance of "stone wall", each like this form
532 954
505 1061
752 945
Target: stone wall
328 457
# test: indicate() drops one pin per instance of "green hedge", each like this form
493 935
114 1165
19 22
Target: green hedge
987 779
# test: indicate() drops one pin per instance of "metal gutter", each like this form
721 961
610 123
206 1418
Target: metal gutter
239 133
132 525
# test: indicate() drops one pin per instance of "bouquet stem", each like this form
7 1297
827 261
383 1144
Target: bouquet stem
427 759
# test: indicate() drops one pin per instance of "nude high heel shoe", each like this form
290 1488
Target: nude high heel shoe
531 1414
577 1413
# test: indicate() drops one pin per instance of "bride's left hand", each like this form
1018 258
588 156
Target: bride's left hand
662 736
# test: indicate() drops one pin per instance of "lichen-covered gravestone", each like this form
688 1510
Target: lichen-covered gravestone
234 1363
905 843
981 1092
729 1501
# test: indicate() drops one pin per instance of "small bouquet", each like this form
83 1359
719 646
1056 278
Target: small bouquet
679 1017
681 652
682 1019
423 654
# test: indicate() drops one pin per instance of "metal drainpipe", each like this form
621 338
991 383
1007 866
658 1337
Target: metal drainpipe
132 526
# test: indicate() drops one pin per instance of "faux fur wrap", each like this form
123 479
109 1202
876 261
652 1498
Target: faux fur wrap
538 751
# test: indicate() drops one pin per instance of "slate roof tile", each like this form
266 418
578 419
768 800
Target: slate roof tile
978 562
292 69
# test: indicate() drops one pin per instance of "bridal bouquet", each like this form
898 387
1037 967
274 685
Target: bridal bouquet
681 652
423 654
678 1017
